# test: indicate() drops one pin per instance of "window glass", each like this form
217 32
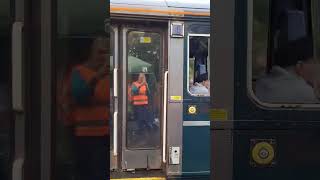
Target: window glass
285 67
144 93
199 65
82 59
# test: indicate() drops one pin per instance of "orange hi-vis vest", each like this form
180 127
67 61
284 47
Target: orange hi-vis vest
141 98
92 119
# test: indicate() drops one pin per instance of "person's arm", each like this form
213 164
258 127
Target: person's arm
102 72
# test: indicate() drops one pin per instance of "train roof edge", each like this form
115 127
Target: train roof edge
164 8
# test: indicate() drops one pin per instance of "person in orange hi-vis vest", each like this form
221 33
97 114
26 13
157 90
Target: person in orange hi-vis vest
138 96
86 102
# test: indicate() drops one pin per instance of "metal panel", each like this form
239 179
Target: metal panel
115 150
194 4
17 66
222 68
46 88
155 3
124 94
175 108
19 118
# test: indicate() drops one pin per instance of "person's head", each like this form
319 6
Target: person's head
299 56
206 83
142 78
98 54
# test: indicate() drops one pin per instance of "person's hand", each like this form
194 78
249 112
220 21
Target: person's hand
102 71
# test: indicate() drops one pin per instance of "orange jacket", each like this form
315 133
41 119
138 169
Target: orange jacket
140 97
90 118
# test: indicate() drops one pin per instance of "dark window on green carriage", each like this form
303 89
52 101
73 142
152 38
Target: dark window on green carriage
198 65
285 51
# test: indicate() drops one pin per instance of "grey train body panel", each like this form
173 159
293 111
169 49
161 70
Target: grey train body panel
222 73
175 108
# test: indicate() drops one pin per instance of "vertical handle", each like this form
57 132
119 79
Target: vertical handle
164 133
115 133
17 66
115 82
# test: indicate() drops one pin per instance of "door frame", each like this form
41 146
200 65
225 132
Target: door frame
114 150
126 154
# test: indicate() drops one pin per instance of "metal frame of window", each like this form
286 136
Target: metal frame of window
188 61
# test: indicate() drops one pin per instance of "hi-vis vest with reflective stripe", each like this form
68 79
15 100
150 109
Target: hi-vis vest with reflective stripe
141 98
91 119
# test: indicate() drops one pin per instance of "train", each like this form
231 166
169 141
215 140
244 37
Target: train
167 41
207 115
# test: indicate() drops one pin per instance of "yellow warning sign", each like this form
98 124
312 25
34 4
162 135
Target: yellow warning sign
175 98
218 114
145 39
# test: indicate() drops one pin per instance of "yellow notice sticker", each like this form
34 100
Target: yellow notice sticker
145 40
176 98
218 114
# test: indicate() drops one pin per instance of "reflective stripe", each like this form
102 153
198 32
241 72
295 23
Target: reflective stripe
196 123
157 11
89 113
140 103
140 98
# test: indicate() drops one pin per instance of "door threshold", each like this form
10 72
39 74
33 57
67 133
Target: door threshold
138 175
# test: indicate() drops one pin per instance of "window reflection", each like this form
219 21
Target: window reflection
285 64
143 126
83 100
199 66
82 88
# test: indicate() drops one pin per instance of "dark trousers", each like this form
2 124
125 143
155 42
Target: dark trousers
141 116
92 158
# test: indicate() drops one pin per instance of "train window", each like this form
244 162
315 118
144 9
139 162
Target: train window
198 65
83 97
285 50
144 67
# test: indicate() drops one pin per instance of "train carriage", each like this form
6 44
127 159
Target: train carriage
168 41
